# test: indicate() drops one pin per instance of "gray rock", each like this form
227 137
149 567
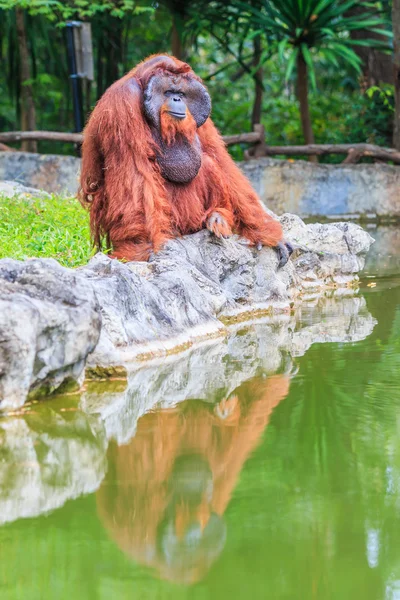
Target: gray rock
13 188
49 322
185 290
313 189
49 315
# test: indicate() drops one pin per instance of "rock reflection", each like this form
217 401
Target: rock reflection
213 371
46 458
166 491
174 469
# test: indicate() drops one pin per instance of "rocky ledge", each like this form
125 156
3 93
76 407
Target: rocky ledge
54 320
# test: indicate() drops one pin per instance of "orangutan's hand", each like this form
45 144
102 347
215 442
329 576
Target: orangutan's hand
218 225
284 250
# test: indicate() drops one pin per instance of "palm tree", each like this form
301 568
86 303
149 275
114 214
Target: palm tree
303 30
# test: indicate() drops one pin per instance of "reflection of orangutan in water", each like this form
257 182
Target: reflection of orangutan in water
175 478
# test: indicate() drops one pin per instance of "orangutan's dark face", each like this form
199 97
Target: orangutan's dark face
179 96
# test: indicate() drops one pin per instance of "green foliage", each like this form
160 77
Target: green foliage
219 43
52 227
59 10
375 122
353 118
317 29
118 44
385 95
309 32
340 113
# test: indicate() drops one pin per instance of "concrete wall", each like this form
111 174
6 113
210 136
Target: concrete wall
49 172
308 189
298 187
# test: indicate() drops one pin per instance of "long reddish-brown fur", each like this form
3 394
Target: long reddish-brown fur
131 204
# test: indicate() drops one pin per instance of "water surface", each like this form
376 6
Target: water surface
264 466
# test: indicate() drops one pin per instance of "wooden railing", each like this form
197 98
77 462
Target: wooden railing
10 137
354 151
256 138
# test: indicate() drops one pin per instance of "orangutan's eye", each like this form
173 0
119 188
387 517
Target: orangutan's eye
174 93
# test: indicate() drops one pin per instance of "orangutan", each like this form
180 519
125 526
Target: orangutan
155 167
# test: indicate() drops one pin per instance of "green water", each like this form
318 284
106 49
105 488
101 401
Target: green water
279 478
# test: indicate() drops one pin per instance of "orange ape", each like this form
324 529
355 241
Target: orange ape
154 167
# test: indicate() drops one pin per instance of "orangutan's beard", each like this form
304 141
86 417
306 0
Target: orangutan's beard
172 127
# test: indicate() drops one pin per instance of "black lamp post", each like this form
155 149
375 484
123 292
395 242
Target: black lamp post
74 76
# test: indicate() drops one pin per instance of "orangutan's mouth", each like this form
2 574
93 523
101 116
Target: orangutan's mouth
177 115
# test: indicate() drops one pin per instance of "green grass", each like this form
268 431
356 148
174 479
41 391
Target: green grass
47 228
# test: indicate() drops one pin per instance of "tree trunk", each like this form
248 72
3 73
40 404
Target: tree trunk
377 65
176 40
302 95
28 113
258 76
396 71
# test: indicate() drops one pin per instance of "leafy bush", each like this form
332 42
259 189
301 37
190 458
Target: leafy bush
377 115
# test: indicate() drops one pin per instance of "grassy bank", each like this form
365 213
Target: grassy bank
52 227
